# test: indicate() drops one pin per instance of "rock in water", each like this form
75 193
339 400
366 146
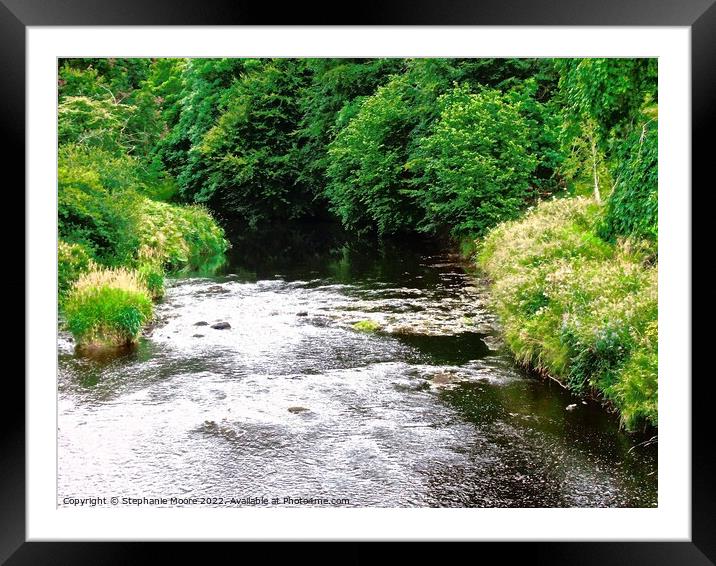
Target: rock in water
217 289
201 323
302 313
444 378
297 410
221 325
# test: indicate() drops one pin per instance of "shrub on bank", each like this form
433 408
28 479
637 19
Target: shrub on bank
105 205
475 165
577 308
179 236
107 307
97 206
72 261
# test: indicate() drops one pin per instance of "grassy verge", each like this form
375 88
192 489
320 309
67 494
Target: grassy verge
577 308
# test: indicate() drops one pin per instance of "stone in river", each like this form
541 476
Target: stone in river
302 313
221 325
201 323
297 410
217 289
444 378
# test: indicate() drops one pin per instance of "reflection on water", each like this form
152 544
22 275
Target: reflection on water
292 401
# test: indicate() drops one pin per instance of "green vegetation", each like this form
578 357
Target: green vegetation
575 280
421 153
107 307
367 326
112 193
152 276
576 307
632 208
476 163
72 261
547 169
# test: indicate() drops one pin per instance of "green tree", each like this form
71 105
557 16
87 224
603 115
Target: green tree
633 207
249 170
375 177
368 180
603 102
476 164
205 86
336 86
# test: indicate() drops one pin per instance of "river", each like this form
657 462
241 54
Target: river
292 401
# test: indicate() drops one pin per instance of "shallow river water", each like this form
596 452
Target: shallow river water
292 401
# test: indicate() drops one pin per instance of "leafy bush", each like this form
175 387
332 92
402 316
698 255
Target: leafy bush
178 236
611 91
603 102
337 86
476 163
96 207
576 307
101 205
107 307
368 188
72 261
633 207
85 76
205 86
422 153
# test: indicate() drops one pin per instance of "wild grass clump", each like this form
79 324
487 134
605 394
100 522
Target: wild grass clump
152 275
107 307
577 308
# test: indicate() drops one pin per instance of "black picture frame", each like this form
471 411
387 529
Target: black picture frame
16 15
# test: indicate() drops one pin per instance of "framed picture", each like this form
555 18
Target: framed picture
392 278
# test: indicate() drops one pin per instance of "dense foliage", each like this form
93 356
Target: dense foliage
375 142
475 164
603 102
392 166
72 261
249 170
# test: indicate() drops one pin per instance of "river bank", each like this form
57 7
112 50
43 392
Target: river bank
577 308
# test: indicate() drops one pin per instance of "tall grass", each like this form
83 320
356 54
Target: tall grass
576 307
107 307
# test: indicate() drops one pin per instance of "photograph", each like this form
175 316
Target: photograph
379 282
